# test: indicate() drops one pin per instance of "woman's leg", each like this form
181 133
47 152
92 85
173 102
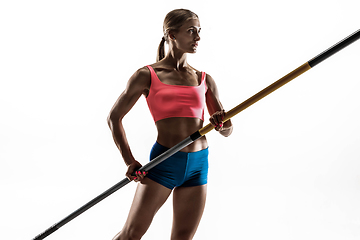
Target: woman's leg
148 199
189 203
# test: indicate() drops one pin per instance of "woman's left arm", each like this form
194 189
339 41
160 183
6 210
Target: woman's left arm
216 109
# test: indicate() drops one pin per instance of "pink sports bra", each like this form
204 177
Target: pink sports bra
166 101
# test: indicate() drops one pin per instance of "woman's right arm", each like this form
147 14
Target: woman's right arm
138 83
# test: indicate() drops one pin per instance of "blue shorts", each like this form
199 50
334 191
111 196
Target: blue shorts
183 169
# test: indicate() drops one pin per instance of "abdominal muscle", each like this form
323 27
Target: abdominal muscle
171 131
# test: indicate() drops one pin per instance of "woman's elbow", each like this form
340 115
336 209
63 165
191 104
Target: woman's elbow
113 118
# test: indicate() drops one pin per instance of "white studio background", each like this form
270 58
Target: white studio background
290 170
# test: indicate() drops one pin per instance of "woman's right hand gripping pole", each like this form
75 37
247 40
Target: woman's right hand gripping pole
133 173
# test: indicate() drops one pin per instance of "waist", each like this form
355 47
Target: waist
158 149
171 131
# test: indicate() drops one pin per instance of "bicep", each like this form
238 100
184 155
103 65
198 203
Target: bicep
213 101
212 96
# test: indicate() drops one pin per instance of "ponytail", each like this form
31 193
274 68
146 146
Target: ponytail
161 50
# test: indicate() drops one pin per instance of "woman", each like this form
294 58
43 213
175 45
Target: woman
176 94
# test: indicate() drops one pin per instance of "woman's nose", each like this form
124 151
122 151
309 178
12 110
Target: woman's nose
197 37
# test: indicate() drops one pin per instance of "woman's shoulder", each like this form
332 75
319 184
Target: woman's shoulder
141 76
143 71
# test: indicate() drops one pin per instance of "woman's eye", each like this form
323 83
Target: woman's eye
192 31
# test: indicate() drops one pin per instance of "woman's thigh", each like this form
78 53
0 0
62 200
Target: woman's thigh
148 199
189 204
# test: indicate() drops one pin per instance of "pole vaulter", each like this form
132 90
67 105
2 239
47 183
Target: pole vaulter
193 137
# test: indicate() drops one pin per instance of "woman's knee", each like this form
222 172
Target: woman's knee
135 232
182 235
129 233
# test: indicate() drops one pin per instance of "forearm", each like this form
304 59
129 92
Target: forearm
120 140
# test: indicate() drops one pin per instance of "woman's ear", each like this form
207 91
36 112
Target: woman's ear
171 36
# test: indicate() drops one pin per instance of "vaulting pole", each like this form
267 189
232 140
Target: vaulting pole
193 137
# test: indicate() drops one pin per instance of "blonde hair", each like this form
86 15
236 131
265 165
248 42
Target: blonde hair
172 22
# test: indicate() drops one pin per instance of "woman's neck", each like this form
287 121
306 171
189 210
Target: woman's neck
176 59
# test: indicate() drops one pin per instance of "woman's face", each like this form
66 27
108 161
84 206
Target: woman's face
187 37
